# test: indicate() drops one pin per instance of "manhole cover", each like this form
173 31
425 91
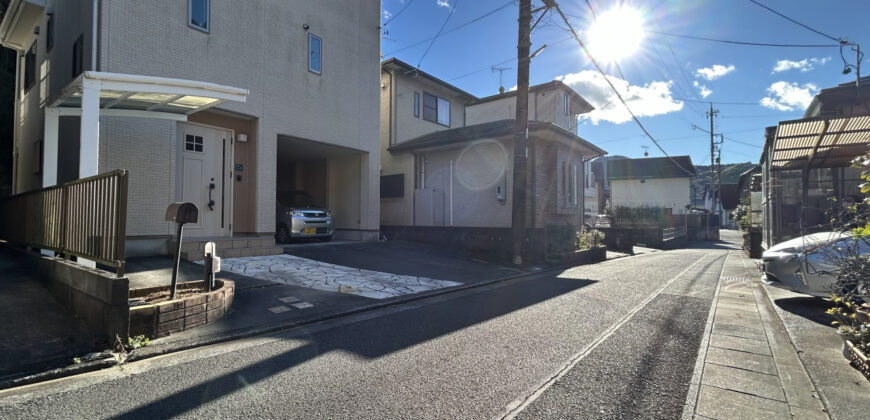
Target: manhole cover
737 279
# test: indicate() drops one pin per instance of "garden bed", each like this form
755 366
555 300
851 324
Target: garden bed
193 307
859 360
584 256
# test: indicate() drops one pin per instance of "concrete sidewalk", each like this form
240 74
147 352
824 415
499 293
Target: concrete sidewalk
747 366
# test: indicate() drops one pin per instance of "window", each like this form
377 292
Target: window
436 109
417 104
192 143
49 33
78 55
198 14
315 58
30 67
573 201
565 104
393 186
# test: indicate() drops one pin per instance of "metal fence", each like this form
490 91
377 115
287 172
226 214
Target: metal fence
85 218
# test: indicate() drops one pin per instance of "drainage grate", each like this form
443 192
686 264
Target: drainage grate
744 279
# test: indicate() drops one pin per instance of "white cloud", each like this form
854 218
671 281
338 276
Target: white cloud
785 96
714 72
651 99
442 3
387 14
703 89
804 65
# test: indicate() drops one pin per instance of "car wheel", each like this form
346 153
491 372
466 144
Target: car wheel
283 234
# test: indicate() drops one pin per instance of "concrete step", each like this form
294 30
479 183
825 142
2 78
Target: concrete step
235 253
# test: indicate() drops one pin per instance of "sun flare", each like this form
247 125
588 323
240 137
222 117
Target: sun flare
616 34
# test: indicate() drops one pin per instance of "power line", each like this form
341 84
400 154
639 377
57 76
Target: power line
551 44
452 29
796 22
755 44
387 22
742 142
618 95
717 102
449 14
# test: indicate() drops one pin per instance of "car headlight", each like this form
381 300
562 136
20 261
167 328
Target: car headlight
298 213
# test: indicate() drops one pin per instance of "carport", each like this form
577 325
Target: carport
805 162
332 175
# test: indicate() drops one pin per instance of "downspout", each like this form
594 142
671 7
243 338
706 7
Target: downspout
15 130
451 193
95 33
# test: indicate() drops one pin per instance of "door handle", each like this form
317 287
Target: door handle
211 186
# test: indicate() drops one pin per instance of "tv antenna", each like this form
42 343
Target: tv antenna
500 71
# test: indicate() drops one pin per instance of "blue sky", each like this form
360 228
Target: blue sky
775 83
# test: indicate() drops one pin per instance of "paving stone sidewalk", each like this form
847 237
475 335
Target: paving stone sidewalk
748 367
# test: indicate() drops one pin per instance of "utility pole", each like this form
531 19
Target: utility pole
521 135
712 113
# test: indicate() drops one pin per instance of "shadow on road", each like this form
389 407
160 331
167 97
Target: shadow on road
811 308
372 338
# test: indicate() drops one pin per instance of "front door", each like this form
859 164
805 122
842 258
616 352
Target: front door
204 154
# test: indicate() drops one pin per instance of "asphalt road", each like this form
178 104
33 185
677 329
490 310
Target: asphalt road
616 339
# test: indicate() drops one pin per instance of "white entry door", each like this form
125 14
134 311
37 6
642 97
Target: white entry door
204 178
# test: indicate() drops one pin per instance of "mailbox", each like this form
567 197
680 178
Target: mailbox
182 213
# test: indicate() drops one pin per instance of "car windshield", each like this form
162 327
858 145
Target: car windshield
296 199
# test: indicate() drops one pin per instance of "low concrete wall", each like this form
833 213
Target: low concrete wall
96 296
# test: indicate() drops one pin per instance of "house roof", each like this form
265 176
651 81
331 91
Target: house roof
832 96
657 167
729 196
553 85
486 130
397 64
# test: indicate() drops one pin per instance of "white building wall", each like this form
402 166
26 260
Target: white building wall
261 45
543 106
671 193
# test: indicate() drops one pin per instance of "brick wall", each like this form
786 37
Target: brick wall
551 206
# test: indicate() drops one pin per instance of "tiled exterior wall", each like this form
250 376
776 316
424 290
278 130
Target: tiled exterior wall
146 148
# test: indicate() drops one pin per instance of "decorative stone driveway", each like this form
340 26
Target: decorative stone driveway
318 275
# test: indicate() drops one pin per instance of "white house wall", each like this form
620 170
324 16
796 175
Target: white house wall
543 106
671 193
260 45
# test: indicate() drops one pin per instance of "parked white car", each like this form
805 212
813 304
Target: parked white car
802 265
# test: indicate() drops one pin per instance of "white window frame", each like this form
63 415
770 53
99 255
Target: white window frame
319 54
207 28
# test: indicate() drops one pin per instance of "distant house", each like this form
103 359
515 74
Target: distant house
652 182
447 156
806 162
596 188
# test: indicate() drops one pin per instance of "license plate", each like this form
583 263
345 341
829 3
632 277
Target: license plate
310 231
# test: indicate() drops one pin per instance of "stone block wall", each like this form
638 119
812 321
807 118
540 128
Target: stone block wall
164 318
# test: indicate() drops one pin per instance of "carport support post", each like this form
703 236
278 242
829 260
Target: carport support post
50 147
177 261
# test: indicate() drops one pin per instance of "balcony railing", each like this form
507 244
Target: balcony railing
85 218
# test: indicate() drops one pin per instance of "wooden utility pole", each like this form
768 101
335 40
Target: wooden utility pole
710 115
521 135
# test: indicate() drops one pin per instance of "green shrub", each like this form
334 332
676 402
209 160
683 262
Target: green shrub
590 239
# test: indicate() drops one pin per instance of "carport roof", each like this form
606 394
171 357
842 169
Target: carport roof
148 93
819 142
487 130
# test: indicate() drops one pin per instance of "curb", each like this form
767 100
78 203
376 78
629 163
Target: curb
63 372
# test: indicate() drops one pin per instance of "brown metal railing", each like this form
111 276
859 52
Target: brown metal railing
85 218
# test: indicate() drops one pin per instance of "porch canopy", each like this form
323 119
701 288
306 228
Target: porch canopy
99 94
821 142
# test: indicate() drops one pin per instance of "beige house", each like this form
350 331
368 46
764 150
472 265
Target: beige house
218 102
447 156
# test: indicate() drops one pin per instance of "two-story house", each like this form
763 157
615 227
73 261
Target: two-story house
657 182
217 102
447 156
